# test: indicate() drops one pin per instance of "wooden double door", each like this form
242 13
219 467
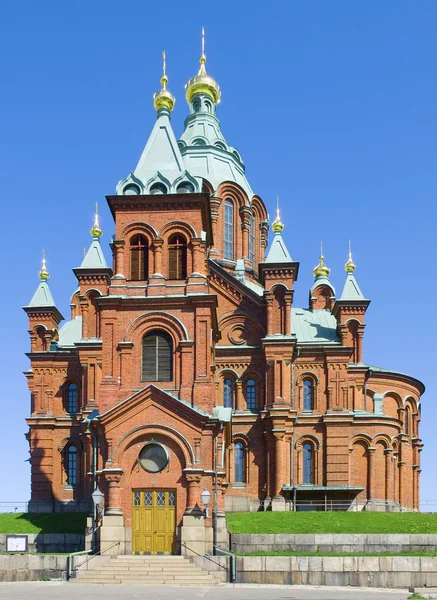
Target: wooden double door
153 521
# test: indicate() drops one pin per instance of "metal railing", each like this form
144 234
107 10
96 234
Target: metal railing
70 567
210 557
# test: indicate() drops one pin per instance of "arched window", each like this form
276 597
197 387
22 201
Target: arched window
308 395
157 362
239 475
177 256
251 394
407 420
229 230
227 393
72 398
138 258
308 463
71 466
158 188
252 241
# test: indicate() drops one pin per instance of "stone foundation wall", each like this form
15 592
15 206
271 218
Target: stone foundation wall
50 542
359 543
26 567
365 571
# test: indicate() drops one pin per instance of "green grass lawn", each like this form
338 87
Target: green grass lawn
43 522
293 553
331 522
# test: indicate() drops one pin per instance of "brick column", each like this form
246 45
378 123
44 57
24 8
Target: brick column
239 399
371 473
113 501
214 204
279 462
118 249
269 303
193 480
388 474
157 257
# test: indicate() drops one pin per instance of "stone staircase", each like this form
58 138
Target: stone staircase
147 570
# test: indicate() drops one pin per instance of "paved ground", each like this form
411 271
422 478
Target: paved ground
41 590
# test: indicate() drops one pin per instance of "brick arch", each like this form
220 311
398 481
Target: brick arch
382 438
156 320
411 401
360 437
178 227
223 372
241 437
39 343
258 208
307 438
391 403
139 228
70 441
255 331
233 191
133 434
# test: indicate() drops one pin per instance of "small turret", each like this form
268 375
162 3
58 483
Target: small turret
322 293
202 83
350 310
94 268
44 317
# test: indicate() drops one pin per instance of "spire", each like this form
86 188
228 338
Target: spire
164 99
202 83
351 290
44 274
95 231
278 252
94 258
349 267
321 270
43 296
277 225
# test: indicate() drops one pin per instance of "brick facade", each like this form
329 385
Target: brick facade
311 423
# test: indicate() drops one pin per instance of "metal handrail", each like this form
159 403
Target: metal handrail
233 573
208 556
98 553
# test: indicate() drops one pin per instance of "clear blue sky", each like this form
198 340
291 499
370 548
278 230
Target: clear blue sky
331 104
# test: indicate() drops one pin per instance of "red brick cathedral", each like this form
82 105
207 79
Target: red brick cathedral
186 367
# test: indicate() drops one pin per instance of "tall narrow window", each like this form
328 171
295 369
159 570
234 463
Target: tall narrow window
138 258
239 463
227 393
308 463
72 398
72 466
157 357
308 395
251 394
252 241
177 256
229 230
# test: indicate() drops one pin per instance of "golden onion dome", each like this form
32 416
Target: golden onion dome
202 83
350 266
44 274
95 230
277 225
321 270
164 98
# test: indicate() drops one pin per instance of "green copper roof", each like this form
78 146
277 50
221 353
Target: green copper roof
278 252
70 332
205 151
322 280
315 327
94 258
351 290
42 297
160 163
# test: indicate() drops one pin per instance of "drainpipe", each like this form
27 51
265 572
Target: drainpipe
88 421
296 355
214 520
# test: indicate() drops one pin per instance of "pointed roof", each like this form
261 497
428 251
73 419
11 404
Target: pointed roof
161 153
278 252
351 290
42 297
94 258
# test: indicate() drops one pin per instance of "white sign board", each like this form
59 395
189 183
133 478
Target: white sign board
16 543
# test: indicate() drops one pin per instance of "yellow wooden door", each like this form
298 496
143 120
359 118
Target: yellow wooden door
153 521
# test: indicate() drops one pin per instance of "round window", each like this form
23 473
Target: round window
153 457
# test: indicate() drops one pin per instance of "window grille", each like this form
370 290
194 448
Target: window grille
157 357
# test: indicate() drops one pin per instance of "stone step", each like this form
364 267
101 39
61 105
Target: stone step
98 574
172 557
146 569
157 582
